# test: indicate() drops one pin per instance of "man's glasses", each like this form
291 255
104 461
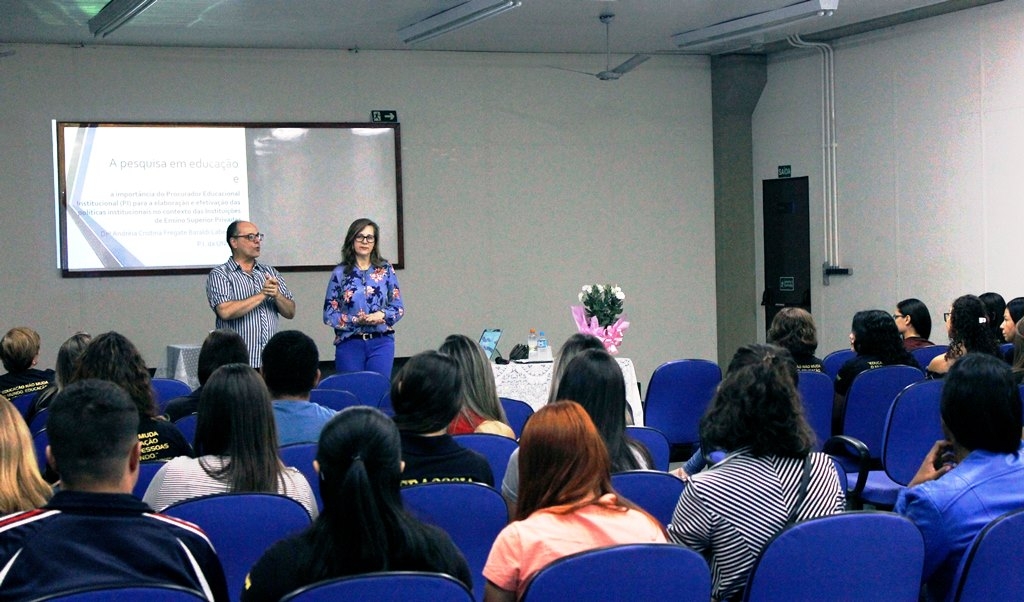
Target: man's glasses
256 236
365 238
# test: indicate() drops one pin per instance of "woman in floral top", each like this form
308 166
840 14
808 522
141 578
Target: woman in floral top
363 303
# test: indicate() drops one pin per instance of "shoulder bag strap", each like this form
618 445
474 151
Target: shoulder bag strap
805 480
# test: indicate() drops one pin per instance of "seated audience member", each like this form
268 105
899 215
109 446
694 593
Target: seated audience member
732 510
1018 352
21 485
221 347
914 323
594 380
995 305
481 410
94 533
967 327
793 329
572 347
236 447
1011 316
67 359
291 368
425 397
19 352
111 356
566 503
363 528
877 342
981 467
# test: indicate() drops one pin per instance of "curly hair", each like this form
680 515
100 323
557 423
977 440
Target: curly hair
793 329
875 333
112 357
757 406
968 328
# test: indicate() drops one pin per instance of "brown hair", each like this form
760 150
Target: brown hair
793 329
18 348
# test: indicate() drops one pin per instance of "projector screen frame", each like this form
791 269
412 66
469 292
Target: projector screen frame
392 224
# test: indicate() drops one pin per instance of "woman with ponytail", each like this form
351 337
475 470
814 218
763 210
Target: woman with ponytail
363 527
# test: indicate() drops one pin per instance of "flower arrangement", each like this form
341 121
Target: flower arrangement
601 314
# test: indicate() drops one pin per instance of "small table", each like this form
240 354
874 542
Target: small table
531 383
183 364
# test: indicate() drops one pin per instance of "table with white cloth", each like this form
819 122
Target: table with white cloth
530 382
183 364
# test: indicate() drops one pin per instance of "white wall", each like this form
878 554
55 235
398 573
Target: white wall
930 127
521 183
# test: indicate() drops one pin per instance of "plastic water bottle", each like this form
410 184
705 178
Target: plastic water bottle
543 349
531 342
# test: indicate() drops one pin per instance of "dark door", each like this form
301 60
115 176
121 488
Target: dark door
787 246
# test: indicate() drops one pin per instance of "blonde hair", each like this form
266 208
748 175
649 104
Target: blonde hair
21 486
18 348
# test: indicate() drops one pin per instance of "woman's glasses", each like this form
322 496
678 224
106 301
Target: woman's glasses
365 238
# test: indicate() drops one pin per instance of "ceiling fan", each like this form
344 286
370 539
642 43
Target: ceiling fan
609 73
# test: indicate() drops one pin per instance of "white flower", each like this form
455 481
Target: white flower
580 297
599 288
587 288
620 295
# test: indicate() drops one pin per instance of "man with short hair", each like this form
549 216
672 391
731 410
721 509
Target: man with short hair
94 533
975 475
291 368
247 296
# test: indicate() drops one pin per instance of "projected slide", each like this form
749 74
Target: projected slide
145 197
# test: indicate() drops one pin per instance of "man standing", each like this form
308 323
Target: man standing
246 295
94 532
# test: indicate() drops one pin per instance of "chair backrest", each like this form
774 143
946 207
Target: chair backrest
125 593
167 389
868 401
1006 351
677 396
850 556
39 420
187 426
23 402
385 405
924 355
496 448
147 470
655 441
992 567
301 456
40 440
369 387
394 586
655 491
471 513
241 527
912 428
517 412
335 399
835 360
647 571
817 392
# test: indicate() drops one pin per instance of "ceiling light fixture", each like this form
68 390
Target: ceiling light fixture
454 18
115 14
738 32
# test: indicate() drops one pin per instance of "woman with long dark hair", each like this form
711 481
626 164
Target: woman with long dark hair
969 332
566 504
236 445
995 305
594 380
363 303
875 338
914 322
363 527
481 410
112 357
67 358
769 477
573 346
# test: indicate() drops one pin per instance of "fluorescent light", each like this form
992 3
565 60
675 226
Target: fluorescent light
115 14
454 18
743 29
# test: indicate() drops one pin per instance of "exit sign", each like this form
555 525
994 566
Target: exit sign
785 171
383 115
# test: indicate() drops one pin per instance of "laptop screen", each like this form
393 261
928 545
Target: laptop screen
489 341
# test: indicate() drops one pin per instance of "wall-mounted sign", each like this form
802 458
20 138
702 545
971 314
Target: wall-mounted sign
785 171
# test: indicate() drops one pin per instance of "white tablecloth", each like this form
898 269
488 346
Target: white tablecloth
183 364
531 382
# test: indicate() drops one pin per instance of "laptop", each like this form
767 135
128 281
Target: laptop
489 341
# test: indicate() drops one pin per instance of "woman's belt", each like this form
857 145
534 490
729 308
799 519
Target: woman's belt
366 336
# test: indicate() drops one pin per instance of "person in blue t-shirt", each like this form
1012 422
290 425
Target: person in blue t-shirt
291 368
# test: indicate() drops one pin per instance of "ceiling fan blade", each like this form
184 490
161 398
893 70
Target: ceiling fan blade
571 70
631 64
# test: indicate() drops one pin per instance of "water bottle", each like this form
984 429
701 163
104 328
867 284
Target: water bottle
543 350
531 342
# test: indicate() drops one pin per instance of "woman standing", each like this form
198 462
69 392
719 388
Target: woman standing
363 527
363 303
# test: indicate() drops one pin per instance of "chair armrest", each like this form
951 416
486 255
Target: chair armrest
845 446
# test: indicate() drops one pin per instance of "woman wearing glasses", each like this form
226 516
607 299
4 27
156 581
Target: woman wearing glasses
363 303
